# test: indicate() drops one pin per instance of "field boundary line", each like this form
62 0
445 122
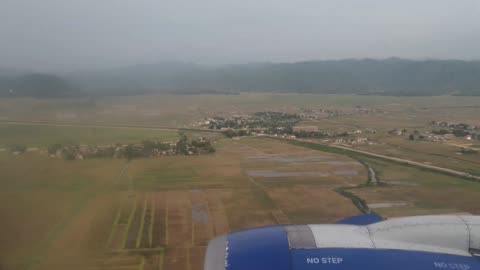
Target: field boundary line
119 211
142 264
192 222
188 259
210 217
114 226
160 260
356 154
193 234
130 219
142 223
359 203
141 251
38 253
166 220
152 221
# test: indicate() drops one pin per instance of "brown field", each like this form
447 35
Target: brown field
163 110
412 113
418 192
159 213
435 153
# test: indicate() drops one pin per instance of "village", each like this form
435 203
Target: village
285 125
277 124
145 149
321 113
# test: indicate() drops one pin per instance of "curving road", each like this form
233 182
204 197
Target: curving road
404 161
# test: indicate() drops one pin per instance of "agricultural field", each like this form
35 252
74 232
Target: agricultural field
440 154
182 111
380 113
159 213
31 135
405 191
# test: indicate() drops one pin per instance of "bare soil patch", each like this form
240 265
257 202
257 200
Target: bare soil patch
179 219
159 219
218 216
134 225
202 227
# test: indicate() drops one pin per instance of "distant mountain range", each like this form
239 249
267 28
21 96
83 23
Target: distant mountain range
391 76
36 85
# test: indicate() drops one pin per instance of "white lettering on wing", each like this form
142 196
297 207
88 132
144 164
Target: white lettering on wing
324 260
452 266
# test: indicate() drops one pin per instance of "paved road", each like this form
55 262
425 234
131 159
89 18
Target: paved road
406 161
400 160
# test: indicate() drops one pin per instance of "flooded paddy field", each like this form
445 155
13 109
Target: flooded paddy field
160 213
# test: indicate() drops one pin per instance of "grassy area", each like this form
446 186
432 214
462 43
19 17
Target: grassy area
188 111
86 214
423 192
61 214
180 111
36 135
41 200
439 154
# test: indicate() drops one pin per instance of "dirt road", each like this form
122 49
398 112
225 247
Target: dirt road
405 161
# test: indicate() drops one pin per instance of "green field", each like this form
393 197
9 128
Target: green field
39 135
423 192
169 207
181 111
101 205
159 213
439 154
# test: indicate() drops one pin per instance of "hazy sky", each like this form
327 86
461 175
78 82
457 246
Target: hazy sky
76 34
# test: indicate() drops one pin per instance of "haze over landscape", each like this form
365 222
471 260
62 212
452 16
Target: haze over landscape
54 35
134 132
111 47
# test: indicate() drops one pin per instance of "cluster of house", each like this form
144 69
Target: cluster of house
313 114
354 141
81 152
437 135
260 122
456 126
263 120
146 149
428 136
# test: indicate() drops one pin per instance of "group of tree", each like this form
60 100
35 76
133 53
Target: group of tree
319 134
145 149
441 132
230 133
456 132
468 151
37 85
391 76
268 122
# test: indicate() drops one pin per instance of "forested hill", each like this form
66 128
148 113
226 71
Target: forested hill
392 76
385 77
35 85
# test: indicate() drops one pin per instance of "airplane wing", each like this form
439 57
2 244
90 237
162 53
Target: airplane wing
424 242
